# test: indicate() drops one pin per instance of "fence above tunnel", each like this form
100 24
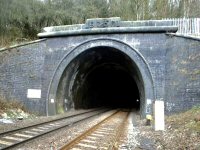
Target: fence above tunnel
186 26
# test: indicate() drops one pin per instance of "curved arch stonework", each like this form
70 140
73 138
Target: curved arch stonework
138 61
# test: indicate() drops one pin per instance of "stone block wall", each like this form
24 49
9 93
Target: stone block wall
21 69
182 74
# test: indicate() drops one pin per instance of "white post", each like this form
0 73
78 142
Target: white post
159 117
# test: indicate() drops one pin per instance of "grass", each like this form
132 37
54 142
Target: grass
187 118
194 123
12 104
182 131
6 42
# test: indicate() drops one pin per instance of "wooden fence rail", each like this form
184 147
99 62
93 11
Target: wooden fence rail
187 26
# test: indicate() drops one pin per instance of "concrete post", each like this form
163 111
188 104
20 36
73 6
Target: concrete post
159 120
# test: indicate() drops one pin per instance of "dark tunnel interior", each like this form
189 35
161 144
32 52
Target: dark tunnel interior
111 87
100 77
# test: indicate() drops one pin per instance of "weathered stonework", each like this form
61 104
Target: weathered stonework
182 74
164 66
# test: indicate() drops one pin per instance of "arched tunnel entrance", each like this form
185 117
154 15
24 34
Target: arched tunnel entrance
100 77
96 75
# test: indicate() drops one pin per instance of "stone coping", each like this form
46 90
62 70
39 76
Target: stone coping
21 44
197 38
109 26
164 29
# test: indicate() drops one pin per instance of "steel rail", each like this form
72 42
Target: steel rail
76 140
49 131
117 137
46 122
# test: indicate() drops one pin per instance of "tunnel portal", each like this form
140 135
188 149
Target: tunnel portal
100 77
102 62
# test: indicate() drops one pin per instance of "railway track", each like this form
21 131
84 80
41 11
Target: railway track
13 138
104 135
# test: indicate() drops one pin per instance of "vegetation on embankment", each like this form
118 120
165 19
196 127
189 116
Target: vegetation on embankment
13 110
5 105
21 20
182 131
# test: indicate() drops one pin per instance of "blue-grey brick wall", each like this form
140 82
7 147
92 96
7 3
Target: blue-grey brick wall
182 90
21 68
